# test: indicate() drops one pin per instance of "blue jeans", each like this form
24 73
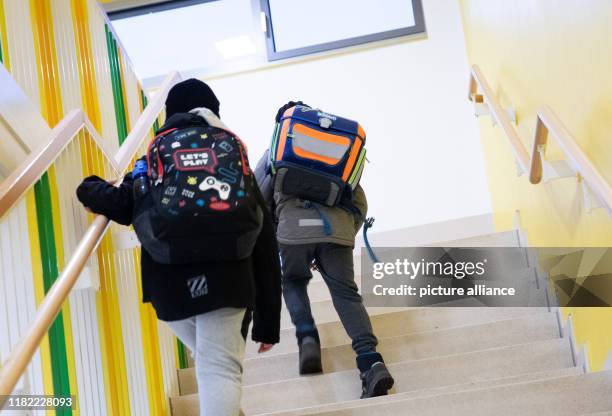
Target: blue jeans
335 262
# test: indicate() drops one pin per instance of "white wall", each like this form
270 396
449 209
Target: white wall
22 128
426 162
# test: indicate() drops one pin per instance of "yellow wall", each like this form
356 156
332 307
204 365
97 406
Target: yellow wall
555 52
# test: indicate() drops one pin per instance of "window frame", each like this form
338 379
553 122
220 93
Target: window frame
161 6
273 55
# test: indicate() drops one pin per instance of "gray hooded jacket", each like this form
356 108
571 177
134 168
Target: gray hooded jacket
300 222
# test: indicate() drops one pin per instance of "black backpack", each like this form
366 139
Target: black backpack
201 204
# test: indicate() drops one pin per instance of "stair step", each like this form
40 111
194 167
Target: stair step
524 378
409 376
502 239
565 396
408 321
466 228
412 375
263 368
324 312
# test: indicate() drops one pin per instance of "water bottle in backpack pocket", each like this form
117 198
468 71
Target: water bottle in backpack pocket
203 206
141 179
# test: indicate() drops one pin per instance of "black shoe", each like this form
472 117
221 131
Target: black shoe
377 381
310 356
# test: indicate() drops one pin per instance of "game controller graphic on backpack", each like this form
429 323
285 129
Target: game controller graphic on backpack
210 182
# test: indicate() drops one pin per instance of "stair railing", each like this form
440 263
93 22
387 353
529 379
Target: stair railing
13 189
37 162
488 103
596 190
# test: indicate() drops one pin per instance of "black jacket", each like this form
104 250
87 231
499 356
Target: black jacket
253 283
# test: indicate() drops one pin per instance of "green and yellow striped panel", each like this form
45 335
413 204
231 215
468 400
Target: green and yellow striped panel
145 102
46 202
118 85
2 33
3 38
87 77
57 339
182 354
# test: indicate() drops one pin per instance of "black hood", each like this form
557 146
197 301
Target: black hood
182 120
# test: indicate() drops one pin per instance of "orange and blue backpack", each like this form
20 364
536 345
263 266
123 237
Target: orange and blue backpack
317 156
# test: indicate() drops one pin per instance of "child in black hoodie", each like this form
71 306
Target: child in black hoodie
208 305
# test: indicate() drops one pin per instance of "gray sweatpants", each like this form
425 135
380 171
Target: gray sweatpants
335 262
216 340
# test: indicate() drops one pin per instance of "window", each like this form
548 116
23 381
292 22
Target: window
203 37
200 36
297 27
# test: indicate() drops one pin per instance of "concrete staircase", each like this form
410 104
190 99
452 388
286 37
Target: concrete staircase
445 360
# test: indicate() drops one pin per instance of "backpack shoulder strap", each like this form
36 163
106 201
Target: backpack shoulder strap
158 165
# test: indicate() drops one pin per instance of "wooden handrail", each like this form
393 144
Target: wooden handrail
23 351
37 162
478 81
548 124
576 164
144 122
